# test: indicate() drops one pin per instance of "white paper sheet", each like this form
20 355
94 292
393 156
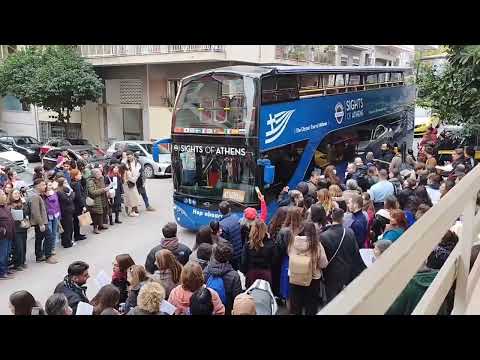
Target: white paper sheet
84 309
446 168
17 214
367 256
102 279
168 308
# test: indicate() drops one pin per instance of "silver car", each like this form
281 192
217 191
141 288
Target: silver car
144 149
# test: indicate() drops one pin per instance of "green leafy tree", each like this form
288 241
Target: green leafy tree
452 90
54 77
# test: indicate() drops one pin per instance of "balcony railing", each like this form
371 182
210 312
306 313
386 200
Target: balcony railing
304 53
138 50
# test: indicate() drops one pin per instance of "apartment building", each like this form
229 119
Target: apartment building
141 82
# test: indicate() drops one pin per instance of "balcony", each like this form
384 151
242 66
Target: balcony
92 51
103 55
297 54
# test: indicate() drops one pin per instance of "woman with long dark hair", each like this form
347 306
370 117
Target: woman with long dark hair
119 278
307 297
258 254
169 270
116 191
106 299
23 303
66 198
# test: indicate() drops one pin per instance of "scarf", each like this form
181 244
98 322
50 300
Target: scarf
74 286
119 276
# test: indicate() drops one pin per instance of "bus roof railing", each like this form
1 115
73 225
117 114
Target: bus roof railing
376 288
258 71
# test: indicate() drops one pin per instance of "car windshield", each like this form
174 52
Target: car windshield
216 104
78 141
214 172
149 148
27 140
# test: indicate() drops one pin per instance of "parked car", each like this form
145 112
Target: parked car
49 160
144 150
74 144
7 153
26 145
24 176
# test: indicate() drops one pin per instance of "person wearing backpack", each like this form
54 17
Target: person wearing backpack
344 260
220 275
307 258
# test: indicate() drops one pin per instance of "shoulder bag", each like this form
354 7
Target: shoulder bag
323 289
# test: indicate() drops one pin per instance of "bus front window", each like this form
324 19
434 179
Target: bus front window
214 176
216 104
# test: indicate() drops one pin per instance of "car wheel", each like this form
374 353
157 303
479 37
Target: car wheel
148 171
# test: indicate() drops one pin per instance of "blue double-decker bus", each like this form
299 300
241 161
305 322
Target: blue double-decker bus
240 127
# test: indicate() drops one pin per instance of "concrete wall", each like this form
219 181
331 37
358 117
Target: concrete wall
92 123
160 122
19 123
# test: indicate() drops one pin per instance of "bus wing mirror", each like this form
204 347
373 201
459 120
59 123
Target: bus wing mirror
269 174
268 171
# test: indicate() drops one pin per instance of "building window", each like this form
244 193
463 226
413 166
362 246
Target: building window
355 61
344 60
172 91
11 103
367 59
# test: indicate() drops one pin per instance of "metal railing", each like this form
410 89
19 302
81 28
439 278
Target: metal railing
136 50
306 54
376 288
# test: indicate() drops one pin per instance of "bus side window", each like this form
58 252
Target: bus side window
340 82
371 80
329 83
287 88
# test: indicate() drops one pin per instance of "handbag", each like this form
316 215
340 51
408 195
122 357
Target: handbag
130 184
85 219
89 201
25 224
60 228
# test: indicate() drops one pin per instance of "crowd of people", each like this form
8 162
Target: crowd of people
72 194
307 254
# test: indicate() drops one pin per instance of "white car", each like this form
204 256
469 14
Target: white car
7 153
151 168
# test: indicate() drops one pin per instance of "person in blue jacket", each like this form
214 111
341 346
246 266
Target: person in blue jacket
231 231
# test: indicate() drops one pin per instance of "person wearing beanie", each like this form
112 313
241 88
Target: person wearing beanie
249 216
244 304
219 266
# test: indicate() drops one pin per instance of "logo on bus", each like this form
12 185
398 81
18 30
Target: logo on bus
278 122
339 114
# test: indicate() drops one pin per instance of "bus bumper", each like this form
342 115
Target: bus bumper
192 218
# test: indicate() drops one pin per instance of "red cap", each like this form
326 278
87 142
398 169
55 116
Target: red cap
250 213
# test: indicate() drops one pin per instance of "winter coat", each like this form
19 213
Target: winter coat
359 227
7 224
38 210
413 292
74 295
137 311
346 265
261 259
180 298
182 253
95 191
164 277
116 202
120 281
300 247
66 198
131 300
79 198
231 280
53 205
231 231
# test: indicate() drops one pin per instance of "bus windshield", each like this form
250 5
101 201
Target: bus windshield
214 172
216 104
